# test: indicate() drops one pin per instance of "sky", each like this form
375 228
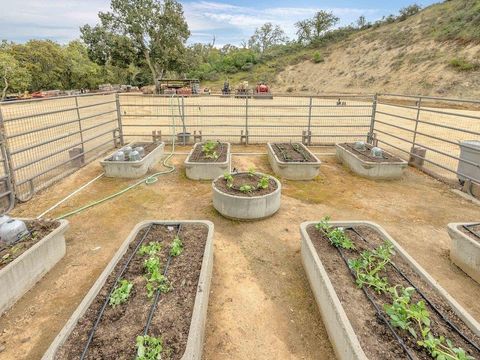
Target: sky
229 21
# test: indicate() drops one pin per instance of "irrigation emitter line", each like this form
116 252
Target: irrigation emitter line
105 303
439 313
377 309
384 157
474 233
158 292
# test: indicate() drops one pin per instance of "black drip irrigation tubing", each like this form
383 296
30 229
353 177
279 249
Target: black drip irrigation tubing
474 233
301 152
157 294
104 306
379 313
439 313
373 158
221 152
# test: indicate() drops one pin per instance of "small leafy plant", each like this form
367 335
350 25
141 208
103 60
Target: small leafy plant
149 348
251 171
229 178
155 279
337 236
246 188
176 247
209 149
121 293
151 248
263 182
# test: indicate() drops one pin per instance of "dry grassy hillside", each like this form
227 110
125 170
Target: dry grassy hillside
435 52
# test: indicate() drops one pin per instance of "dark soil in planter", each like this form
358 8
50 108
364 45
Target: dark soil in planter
245 179
147 147
199 156
366 156
375 338
38 230
292 152
119 326
472 231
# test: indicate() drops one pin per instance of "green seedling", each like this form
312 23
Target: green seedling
177 247
264 182
337 236
246 188
229 178
155 279
251 171
149 348
152 248
121 293
209 149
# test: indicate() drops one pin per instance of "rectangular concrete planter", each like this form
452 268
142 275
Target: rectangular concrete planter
132 169
339 328
370 169
465 251
22 273
293 170
196 334
207 171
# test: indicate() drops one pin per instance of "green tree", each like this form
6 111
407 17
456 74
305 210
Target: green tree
266 36
154 30
80 71
13 76
312 30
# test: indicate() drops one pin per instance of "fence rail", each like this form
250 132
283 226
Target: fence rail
44 140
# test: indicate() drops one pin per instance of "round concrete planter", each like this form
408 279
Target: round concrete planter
247 208
196 335
465 251
340 331
22 273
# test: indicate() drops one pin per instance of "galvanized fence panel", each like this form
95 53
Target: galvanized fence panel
48 139
437 125
318 120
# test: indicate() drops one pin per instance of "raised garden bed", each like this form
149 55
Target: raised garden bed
152 295
293 161
465 248
25 262
388 167
371 293
134 169
208 160
246 195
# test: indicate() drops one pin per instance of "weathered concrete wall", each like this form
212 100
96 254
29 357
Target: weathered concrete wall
464 251
207 171
22 273
293 170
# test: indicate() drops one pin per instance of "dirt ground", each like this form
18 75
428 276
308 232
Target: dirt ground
261 306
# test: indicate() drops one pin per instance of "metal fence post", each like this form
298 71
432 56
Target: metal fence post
79 124
7 165
309 132
370 135
183 122
246 119
419 106
119 119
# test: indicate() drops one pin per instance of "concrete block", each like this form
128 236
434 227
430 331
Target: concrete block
339 328
293 170
132 169
196 334
464 250
370 169
22 274
416 161
207 171
247 207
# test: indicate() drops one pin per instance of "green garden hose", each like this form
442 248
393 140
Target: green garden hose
148 180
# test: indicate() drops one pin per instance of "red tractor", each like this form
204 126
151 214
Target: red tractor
262 91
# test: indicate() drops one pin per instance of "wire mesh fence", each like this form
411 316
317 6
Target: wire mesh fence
44 140
438 125
247 120
47 139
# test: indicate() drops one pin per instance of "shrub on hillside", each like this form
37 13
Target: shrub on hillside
317 58
464 65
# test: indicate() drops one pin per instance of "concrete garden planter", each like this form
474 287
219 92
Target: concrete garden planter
247 207
465 249
19 276
133 169
207 170
340 328
294 170
385 170
194 343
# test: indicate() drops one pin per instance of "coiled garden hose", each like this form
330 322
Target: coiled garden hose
149 180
